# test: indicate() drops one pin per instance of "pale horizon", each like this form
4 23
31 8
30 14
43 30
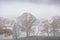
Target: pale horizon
12 9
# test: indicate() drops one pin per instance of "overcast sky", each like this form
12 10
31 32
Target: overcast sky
40 9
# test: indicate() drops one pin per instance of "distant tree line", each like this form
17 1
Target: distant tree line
25 23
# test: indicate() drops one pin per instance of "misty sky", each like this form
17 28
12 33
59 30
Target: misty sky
40 9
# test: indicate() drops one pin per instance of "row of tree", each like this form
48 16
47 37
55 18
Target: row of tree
52 27
25 23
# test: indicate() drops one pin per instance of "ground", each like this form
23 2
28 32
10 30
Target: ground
38 38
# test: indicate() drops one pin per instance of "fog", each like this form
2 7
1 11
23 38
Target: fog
40 9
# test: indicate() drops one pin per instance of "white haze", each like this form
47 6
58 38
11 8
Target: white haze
14 9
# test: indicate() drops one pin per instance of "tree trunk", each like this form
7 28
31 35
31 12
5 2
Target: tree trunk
27 35
15 36
54 32
48 34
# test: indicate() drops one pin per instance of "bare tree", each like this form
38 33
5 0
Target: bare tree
7 32
26 21
15 30
46 26
55 25
4 22
3 27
